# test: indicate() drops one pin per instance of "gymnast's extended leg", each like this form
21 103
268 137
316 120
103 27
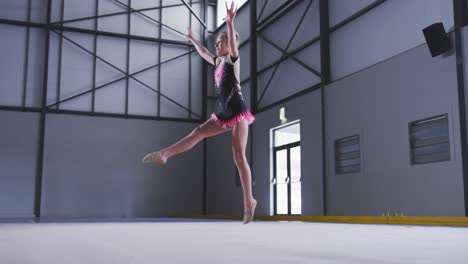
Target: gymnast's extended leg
207 129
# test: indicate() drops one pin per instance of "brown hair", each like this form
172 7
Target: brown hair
224 35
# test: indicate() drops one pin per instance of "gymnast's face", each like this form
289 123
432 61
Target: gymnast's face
221 46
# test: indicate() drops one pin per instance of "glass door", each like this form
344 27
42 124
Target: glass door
287 179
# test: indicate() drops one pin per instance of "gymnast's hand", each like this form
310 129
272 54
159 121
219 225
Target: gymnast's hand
230 12
190 34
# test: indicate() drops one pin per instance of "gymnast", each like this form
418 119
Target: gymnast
233 112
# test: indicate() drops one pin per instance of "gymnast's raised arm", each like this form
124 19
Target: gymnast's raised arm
230 15
202 51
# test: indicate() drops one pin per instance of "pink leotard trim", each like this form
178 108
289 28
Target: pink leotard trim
231 122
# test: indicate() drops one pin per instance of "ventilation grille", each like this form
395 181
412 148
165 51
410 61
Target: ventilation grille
429 140
347 155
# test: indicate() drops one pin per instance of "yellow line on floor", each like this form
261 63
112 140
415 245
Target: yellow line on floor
397 220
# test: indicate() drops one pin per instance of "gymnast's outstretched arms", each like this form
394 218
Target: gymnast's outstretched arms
202 51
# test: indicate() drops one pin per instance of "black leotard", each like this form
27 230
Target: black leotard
228 90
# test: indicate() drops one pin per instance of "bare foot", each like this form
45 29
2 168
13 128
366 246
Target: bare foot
156 157
249 213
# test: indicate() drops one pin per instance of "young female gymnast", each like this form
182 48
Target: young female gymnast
234 114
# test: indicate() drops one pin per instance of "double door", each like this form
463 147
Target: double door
287 179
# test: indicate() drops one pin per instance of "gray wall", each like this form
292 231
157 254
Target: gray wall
387 30
12 68
18 154
378 103
92 168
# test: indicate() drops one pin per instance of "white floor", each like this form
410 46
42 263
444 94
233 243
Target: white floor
225 242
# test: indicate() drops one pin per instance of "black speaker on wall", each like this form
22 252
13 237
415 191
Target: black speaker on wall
437 39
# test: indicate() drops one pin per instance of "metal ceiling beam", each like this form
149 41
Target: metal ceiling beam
291 97
90 31
119 35
116 14
22 23
129 116
193 13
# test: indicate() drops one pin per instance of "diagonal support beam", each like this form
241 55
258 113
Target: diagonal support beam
261 11
277 14
115 14
293 52
193 13
289 55
310 42
287 47
150 18
116 80
123 72
120 35
91 31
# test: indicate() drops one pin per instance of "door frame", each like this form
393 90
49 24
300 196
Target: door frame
288 177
